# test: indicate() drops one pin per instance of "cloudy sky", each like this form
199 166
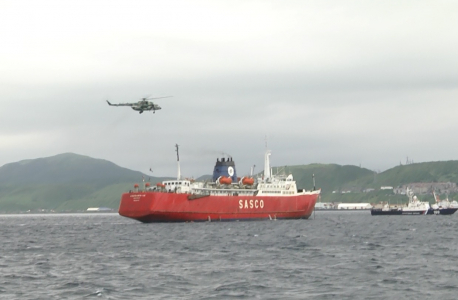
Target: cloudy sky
349 82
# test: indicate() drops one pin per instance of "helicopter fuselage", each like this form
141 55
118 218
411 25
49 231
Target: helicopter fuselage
141 106
146 107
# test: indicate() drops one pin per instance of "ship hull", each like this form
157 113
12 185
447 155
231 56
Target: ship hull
442 211
396 212
151 207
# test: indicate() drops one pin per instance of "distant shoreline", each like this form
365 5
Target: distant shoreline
56 213
346 210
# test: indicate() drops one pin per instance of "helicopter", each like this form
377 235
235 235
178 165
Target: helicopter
142 105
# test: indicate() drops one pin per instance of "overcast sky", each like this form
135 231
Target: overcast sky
349 82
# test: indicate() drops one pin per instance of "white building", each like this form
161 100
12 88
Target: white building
354 206
98 209
322 205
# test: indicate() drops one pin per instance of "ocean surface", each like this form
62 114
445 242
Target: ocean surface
336 255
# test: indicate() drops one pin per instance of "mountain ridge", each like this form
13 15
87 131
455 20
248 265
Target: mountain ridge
66 181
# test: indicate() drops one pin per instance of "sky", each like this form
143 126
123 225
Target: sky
365 83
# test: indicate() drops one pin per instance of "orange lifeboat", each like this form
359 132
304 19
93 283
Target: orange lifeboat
247 180
160 184
147 184
224 180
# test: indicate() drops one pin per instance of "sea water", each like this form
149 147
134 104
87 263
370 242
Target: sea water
336 255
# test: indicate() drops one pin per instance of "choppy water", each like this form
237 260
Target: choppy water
338 255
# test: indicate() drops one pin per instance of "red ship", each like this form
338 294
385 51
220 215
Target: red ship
225 198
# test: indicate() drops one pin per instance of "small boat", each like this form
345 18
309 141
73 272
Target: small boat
442 207
247 180
224 180
414 207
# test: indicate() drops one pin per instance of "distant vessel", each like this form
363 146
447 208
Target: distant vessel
443 207
226 197
414 207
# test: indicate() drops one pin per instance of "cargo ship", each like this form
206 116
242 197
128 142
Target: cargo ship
225 197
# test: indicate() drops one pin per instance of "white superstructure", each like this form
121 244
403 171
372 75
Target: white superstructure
267 185
415 204
441 204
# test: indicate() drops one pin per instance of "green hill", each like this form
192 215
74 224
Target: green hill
65 168
440 171
327 177
65 182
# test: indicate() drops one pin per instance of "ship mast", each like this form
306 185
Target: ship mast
178 162
267 171
252 170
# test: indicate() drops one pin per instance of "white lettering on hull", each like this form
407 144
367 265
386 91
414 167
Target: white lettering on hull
137 197
250 204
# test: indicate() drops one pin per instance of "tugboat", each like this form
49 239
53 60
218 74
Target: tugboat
443 207
225 198
414 207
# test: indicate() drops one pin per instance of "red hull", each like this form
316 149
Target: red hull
171 207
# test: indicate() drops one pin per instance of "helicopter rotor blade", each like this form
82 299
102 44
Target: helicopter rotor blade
151 98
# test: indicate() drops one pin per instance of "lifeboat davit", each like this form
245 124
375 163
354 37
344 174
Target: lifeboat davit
224 180
247 180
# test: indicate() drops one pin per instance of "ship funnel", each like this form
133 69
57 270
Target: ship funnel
224 167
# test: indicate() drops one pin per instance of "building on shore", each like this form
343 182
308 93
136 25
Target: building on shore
99 209
324 205
422 188
354 206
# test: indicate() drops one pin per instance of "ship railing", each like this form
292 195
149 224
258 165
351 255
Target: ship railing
225 192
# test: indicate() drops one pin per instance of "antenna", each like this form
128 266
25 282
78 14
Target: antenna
178 162
178 155
313 177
